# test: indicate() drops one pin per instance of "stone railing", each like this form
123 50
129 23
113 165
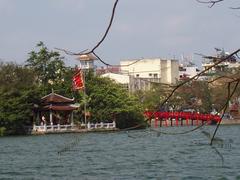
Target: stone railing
101 125
71 127
58 127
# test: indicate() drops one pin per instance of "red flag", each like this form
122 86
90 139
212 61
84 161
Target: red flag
78 82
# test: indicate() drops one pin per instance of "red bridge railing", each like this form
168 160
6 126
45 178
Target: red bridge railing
180 117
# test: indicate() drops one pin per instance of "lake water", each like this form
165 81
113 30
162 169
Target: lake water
142 154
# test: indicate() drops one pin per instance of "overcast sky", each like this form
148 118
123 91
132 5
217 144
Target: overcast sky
141 28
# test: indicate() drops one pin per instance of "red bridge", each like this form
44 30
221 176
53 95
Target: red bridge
180 118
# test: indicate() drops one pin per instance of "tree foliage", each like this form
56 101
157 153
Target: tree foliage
48 65
17 95
194 95
23 86
108 101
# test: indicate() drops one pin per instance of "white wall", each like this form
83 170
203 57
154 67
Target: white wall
166 70
189 72
118 78
143 68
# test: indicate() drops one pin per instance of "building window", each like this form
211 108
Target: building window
155 75
150 74
137 75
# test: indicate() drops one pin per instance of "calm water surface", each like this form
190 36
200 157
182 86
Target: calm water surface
123 155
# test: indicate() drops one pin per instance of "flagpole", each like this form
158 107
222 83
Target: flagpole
80 85
85 102
87 61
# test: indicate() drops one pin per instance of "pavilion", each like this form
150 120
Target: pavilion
56 112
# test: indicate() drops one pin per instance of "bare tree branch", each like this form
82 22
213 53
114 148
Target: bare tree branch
108 28
211 2
201 73
71 53
219 60
234 8
221 77
225 106
101 59
92 51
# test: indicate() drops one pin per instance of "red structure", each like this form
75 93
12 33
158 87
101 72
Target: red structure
180 118
78 82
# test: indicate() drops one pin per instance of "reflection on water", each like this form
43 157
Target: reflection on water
141 154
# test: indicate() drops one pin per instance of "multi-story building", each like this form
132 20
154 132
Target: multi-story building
124 80
160 70
188 71
87 61
228 65
129 83
140 74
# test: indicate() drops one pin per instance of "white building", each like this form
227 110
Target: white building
220 67
229 64
87 61
129 82
118 78
164 71
188 71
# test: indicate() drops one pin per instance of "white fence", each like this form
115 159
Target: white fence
101 125
45 128
71 127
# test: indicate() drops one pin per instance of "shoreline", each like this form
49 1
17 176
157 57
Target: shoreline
230 121
74 131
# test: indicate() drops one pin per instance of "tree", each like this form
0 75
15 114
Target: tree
194 95
108 101
18 93
48 65
23 86
222 85
51 72
15 76
152 99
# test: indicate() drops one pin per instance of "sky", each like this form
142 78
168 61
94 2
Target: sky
141 28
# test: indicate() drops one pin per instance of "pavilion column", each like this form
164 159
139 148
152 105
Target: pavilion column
37 119
51 117
72 123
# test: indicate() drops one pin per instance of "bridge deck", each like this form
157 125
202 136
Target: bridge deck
180 118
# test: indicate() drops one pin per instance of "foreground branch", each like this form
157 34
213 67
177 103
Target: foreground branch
92 51
212 3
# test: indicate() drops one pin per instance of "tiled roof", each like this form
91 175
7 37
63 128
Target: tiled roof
56 98
60 108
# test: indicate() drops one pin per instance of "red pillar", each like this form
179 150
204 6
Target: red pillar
166 122
161 122
176 121
197 117
156 122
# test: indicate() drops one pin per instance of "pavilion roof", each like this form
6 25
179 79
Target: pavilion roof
56 98
60 108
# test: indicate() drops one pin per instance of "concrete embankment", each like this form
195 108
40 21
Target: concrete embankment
230 121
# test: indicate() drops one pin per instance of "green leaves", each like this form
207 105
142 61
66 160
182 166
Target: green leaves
16 109
109 101
22 86
48 65
14 76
